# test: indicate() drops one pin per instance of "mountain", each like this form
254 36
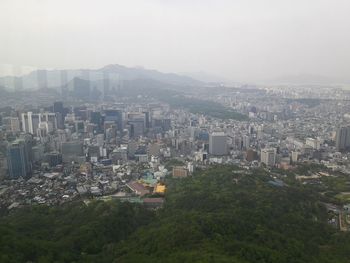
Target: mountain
87 89
222 214
207 77
140 73
116 73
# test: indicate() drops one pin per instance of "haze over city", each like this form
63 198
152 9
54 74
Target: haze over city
161 131
242 40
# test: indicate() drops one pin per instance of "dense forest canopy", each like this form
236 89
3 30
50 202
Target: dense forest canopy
217 215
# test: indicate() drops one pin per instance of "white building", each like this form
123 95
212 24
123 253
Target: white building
31 121
314 143
268 156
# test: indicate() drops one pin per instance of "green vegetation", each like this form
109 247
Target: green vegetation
217 215
209 108
343 197
310 168
70 233
335 186
174 96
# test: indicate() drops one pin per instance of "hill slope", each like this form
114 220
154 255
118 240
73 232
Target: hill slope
219 215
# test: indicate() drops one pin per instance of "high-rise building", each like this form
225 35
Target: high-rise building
268 156
116 116
30 121
96 118
15 124
137 122
147 119
71 151
58 106
59 110
18 161
218 143
343 138
245 141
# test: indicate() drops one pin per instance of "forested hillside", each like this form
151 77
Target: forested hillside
217 215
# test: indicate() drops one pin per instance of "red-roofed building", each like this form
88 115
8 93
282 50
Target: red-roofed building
138 188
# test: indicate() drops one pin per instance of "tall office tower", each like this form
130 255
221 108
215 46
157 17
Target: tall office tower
147 119
42 131
268 156
116 116
59 110
58 106
15 124
50 118
96 118
27 124
343 138
17 160
218 143
245 141
28 143
137 122
30 121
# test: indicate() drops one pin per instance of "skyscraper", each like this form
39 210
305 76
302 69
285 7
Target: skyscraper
15 124
18 162
116 116
137 123
59 110
96 118
218 143
343 138
30 121
268 156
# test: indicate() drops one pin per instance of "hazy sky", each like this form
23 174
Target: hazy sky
239 39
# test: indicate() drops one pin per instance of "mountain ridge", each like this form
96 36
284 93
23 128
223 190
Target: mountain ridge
114 72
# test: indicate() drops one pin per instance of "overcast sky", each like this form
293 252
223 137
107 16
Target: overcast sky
243 40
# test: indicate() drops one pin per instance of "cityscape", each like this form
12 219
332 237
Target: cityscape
174 131
124 147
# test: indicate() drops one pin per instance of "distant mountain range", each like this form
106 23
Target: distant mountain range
111 73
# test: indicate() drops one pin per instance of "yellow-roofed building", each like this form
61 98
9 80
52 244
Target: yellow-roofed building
159 189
